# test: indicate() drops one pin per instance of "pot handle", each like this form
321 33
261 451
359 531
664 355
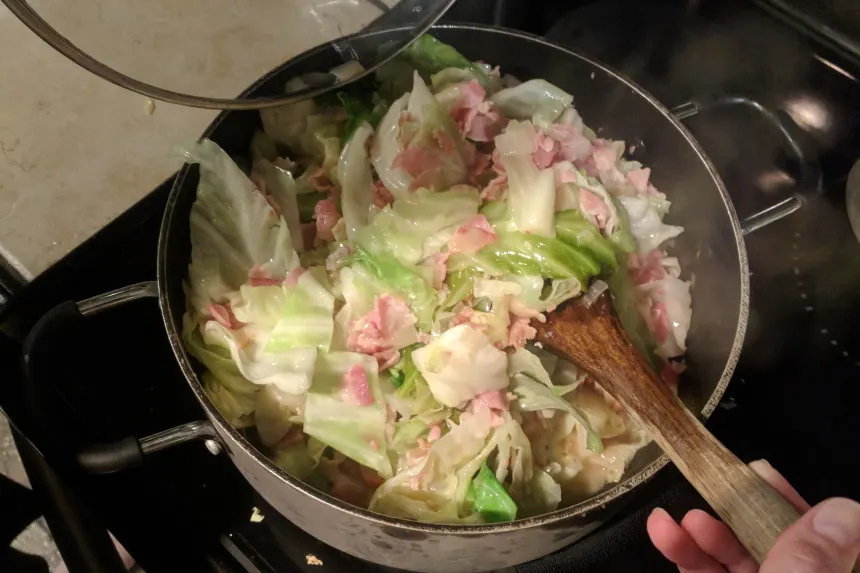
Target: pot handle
809 181
128 452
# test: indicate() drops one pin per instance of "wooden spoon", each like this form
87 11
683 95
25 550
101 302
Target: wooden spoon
594 339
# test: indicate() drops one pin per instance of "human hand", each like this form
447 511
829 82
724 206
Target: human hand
826 539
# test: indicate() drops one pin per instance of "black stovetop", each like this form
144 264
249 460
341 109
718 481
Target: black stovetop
792 400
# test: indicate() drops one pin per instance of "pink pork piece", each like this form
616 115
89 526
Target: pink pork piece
376 332
320 181
259 277
604 156
646 268
546 151
476 118
494 188
435 433
292 278
472 236
593 206
440 269
520 332
223 315
638 178
326 216
354 387
494 400
381 195
572 144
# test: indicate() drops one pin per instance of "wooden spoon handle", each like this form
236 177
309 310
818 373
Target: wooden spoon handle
746 503
595 340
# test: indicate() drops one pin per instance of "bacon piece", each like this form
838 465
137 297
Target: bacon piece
326 216
416 160
472 236
572 144
321 181
259 277
388 327
646 268
435 433
563 176
354 387
293 436
494 188
476 119
478 167
494 400
370 478
520 332
546 151
638 178
223 315
594 206
440 269
604 158
293 276
659 322
381 195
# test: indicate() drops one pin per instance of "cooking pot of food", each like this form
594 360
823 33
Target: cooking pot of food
710 251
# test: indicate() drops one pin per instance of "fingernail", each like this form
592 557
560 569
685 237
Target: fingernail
763 469
838 520
659 511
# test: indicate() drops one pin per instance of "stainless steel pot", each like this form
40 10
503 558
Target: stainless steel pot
711 252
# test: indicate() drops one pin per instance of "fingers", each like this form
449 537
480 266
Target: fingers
718 541
825 540
780 484
677 546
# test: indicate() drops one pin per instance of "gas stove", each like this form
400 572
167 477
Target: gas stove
791 400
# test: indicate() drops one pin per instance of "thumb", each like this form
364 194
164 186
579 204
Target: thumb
825 540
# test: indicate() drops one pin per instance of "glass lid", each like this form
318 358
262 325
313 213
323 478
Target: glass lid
204 53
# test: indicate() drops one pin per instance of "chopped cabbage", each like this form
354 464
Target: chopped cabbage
290 370
460 364
431 56
490 499
382 361
533 396
421 148
536 100
420 224
646 225
281 187
300 316
531 191
358 432
236 407
233 229
275 413
356 182
394 276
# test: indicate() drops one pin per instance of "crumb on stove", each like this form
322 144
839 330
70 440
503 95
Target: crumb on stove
312 559
149 107
256 516
538 344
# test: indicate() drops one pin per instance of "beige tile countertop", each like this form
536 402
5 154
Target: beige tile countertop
76 151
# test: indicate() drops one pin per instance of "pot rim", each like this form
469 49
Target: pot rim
577 510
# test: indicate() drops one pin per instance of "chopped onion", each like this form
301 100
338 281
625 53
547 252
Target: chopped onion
596 289
347 70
